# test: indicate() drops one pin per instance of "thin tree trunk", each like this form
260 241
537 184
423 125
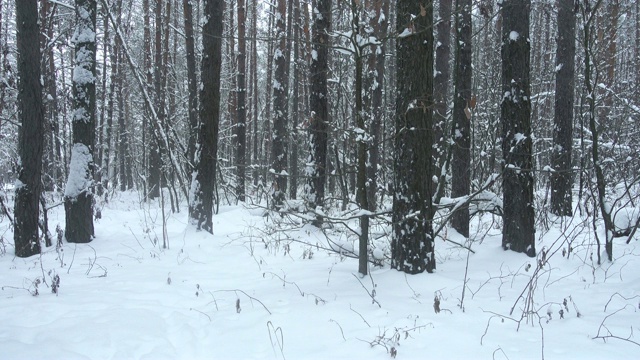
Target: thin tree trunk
241 126
256 98
279 146
102 172
192 83
293 189
155 157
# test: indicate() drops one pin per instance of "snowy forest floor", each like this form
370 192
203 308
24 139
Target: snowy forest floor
268 288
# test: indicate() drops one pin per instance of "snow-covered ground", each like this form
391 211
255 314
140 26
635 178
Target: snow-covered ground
248 292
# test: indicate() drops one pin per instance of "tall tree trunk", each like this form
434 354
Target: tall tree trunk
30 133
78 193
192 82
155 156
202 188
115 60
279 146
519 232
319 122
295 109
254 92
241 126
147 127
267 141
379 24
412 243
50 165
101 173
461 129
605 209
561 176
122 139
608 34
441 86
3 85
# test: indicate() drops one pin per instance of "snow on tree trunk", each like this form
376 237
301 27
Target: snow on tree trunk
241 127
412 243
30 134
78 193
316 169
461 129
192 81
201 204
279 145
518 233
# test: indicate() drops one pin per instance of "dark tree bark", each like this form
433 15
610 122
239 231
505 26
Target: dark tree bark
519 232
30 133
319 121
155 156
379 24
202 189
266 142
561 176
3 85
441 86
294 13
147 127
78 193
192 83
241 126
412 243
254 85
50 164
279 145
461 129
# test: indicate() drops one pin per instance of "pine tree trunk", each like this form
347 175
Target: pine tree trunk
412 243
192 82
30 133
256 97
279 145
518 214
241 126
295 113
78 202
155 156
441 85
101 173
319 121
202 189
461 129
561 177
379 24
147 127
